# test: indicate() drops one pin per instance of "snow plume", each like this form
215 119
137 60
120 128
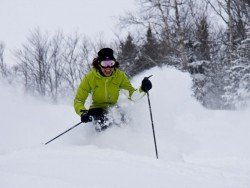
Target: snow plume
197 147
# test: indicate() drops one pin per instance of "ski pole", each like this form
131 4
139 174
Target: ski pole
151 116
63 133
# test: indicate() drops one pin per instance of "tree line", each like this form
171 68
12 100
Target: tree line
208 39
49 66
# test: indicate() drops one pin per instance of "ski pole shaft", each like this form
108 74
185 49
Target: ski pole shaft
63 133
151 116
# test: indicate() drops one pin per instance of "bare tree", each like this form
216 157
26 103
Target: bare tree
33 62
235 13
180 33
71 59
56 66
53 67
86 57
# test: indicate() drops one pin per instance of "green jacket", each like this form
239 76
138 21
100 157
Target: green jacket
104 90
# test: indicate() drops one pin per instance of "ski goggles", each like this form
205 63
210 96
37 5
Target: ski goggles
107 64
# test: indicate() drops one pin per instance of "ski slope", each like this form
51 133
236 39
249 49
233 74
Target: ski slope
197 147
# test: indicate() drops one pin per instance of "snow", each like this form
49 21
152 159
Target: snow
197 147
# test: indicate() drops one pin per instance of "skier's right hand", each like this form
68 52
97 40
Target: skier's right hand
85 117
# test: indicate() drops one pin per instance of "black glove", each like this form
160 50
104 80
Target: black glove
85 116
146 85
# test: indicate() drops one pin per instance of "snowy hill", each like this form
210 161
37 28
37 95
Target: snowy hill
197 147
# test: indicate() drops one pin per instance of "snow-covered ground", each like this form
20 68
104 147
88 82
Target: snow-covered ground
197 147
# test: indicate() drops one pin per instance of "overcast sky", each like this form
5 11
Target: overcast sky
88 17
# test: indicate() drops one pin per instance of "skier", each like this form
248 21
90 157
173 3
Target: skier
104 82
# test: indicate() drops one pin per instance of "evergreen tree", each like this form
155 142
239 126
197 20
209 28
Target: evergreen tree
149 53
127 56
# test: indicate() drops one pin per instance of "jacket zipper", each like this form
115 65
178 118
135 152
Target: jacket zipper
106 93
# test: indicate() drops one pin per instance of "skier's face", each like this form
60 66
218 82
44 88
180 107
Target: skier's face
107 71
107 67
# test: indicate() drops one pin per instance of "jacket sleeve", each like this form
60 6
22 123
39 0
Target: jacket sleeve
81 95
126 84
134 94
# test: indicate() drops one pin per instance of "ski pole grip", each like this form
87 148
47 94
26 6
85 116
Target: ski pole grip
149 76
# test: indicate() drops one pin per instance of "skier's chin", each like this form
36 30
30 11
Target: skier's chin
107 72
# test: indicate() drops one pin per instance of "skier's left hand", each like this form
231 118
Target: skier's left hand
146 85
